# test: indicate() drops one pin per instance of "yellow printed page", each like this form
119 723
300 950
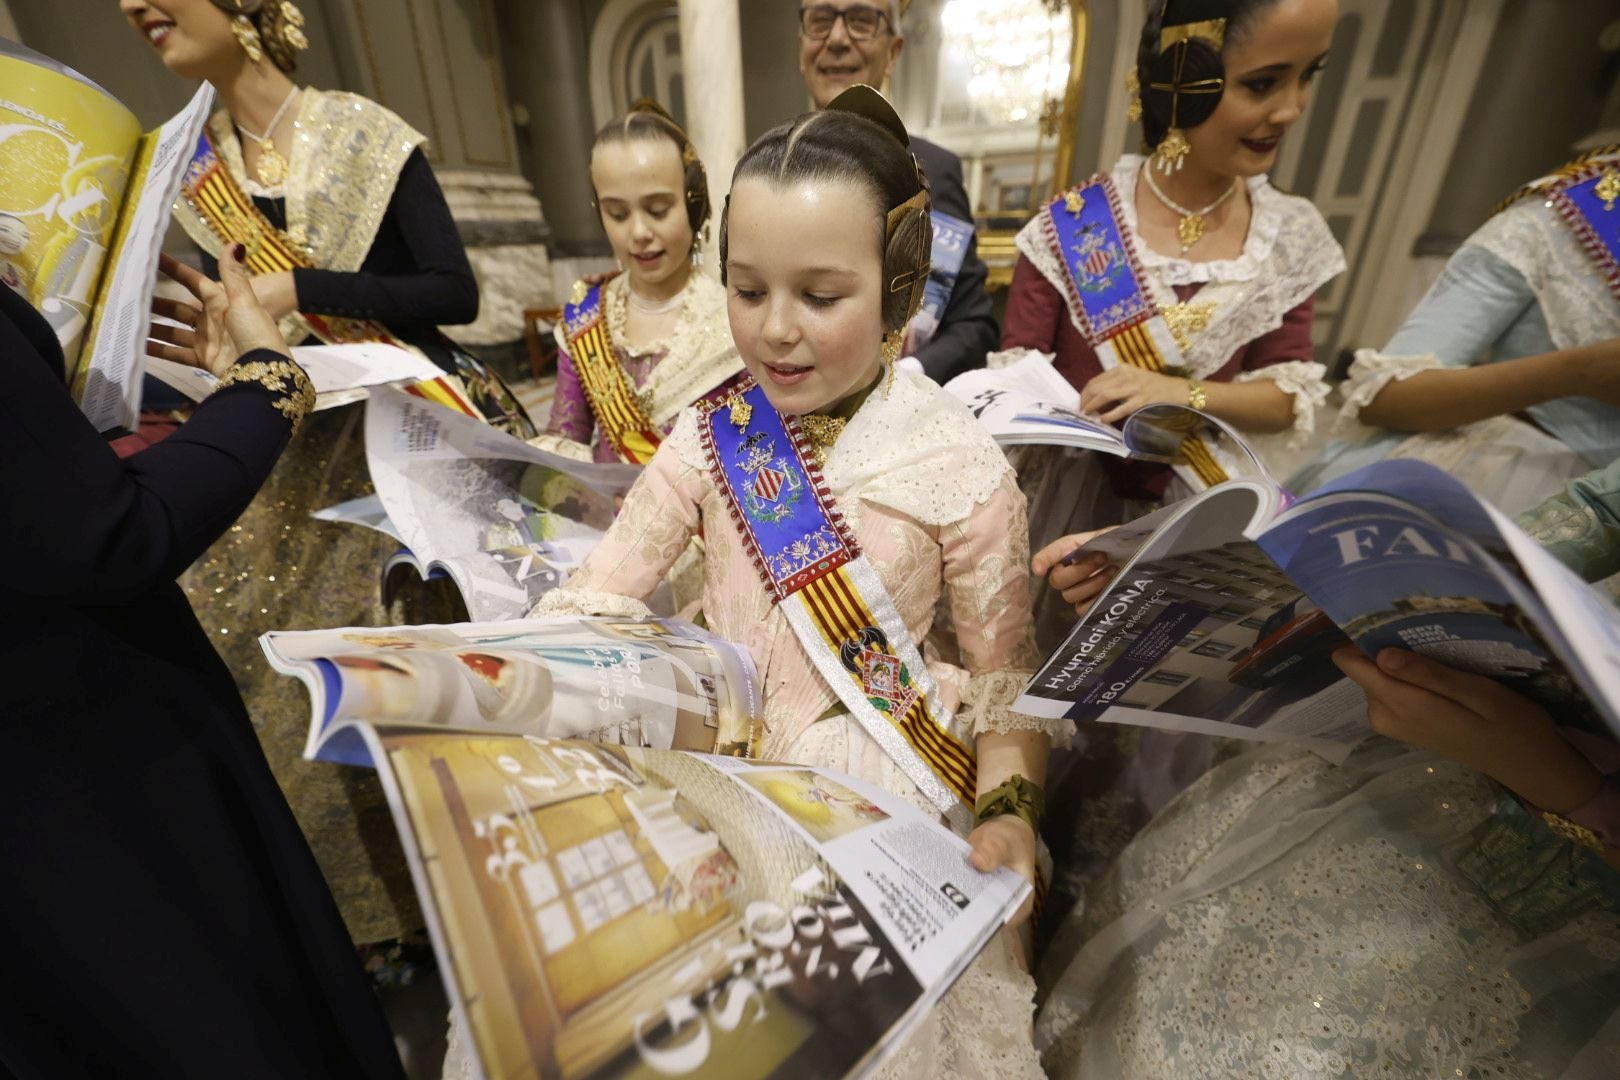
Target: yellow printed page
66 147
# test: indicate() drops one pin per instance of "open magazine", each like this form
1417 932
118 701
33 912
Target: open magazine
616 911
1228 606
666 680
504 520
85 200
1028 403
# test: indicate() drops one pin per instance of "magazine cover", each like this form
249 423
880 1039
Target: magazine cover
655 681
66 151
505 520
85 200
607 911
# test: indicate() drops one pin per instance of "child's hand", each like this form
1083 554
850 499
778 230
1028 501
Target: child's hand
1473 720
1080 581
1006 840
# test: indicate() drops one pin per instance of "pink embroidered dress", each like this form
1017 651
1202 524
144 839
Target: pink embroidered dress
937 510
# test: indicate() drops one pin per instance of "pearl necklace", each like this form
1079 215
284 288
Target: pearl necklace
271 166
1190 229
649 307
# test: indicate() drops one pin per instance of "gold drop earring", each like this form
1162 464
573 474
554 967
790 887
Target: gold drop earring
247 37
893 341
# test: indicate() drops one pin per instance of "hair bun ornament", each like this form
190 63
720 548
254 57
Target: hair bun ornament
649 105
1185 83
864 101
907 259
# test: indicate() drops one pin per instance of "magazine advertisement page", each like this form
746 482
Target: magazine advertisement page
66 147
109 372
1400 554
1201 632
614 911
506 520
654 681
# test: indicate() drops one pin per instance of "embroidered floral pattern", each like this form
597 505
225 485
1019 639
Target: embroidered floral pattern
294 396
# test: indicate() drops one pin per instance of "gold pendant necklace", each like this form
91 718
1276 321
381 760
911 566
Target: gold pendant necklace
1192 226
271 166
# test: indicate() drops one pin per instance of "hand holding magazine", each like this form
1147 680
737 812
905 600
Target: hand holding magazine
1028 403
623 910
1224 618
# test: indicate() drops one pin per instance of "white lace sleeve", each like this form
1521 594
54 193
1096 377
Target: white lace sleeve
987 704
590 602
561 446
1371 372
1306 381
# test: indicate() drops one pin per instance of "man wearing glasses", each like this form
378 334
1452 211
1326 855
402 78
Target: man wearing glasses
845 42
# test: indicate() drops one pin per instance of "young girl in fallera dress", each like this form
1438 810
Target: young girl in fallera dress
825 249
635 350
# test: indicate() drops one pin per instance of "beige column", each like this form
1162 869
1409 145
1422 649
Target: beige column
712 74
438 64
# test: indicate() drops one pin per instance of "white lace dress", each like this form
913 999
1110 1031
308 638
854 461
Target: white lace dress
1520 285
1396 916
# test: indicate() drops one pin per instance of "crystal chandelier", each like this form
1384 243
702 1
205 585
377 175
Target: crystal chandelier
1016 51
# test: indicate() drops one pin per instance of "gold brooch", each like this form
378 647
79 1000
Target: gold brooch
741 412
1073 202
1608 188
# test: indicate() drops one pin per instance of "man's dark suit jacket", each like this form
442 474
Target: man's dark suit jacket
967 328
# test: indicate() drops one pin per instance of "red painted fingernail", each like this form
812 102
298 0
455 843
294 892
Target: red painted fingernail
239 252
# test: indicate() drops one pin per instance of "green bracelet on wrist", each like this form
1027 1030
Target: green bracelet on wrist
1017 796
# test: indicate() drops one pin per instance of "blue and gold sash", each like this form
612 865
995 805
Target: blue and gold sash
831 594
1586 194
618 411
1107 293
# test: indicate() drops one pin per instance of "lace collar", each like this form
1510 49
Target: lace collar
697 355
1288 255
910 447
1265 219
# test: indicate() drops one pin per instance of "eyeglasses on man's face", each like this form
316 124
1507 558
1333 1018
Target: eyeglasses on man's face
861 21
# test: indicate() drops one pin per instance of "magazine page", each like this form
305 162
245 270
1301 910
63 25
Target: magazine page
108 376
1028 402
367 511
1163 432
1401 554
508 520
660 681
66 147
336 372
606 911
1201 632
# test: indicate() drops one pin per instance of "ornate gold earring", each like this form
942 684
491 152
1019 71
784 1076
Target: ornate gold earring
293 23
1133 86
892 343
247 37
1172 149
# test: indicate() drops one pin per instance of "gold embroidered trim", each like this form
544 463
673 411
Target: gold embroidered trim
295 395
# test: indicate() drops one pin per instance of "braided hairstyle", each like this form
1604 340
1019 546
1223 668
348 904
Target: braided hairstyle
648 120
280 25
857 137
1158 67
